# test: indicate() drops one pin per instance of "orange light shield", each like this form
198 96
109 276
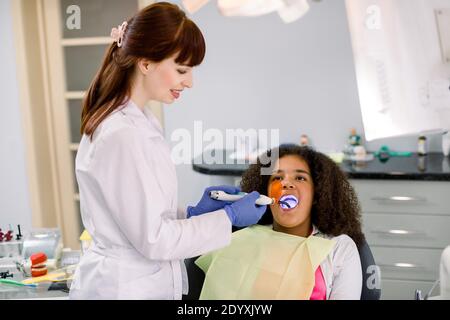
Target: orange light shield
275 190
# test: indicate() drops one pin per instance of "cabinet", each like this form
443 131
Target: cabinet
57 61
406 224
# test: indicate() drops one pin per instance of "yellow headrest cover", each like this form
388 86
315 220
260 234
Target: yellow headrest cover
262 264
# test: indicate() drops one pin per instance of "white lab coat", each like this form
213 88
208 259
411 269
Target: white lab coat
128 198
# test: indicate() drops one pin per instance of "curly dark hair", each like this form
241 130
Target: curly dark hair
335 209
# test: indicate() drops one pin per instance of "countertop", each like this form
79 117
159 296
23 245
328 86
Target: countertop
432 167
25 293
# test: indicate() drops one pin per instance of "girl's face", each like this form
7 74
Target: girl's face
295 177
166 80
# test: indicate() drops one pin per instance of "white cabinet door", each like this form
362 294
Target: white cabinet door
405 230
404 290
408 197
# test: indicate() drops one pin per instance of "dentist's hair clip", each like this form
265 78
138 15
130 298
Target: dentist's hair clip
118 33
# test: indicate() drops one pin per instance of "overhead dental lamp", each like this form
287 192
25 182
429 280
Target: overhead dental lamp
288 10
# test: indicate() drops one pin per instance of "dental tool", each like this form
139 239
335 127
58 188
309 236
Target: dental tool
287 201
223 196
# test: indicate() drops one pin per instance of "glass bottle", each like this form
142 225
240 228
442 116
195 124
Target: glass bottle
422 146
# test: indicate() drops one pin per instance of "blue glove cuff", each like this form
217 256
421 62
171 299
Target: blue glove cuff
190 212
230 213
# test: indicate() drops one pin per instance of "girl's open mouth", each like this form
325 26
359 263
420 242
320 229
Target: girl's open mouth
288 201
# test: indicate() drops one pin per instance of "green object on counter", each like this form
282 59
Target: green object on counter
384 152
16 283
401 154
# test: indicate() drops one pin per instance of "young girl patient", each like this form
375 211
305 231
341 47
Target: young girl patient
305 245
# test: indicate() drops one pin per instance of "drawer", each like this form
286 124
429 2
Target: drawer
409 197
390 229
405 290
407 263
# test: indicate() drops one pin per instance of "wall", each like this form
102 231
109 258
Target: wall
14 196
258 73
262 73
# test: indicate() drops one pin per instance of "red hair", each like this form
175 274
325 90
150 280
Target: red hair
157 32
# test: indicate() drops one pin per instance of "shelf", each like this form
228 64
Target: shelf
74 95
86 41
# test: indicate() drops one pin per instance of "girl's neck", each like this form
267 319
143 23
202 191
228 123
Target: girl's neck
303 230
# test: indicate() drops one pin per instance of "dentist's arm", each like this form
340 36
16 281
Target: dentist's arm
129 174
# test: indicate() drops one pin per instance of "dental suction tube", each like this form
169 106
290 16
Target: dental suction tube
223 196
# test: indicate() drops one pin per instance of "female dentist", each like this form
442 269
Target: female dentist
127 181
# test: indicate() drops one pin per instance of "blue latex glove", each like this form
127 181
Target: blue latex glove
245 212
206 204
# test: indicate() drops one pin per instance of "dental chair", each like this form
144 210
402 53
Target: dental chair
443 281
445 274
371 289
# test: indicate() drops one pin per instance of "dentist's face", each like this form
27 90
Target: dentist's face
166 80
295 177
